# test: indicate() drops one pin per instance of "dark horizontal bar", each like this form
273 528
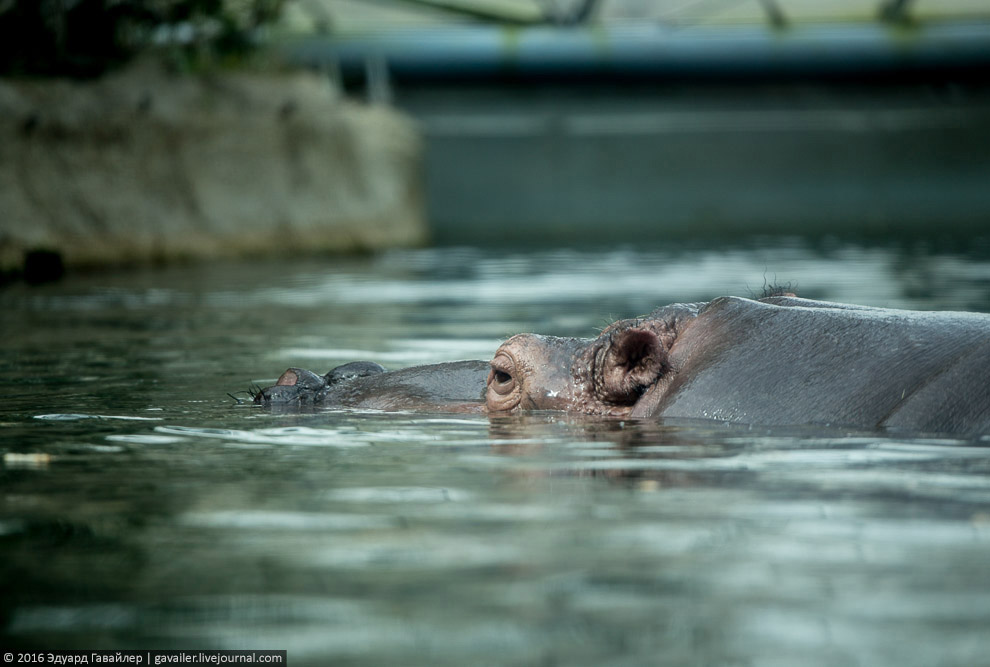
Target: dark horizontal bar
656 51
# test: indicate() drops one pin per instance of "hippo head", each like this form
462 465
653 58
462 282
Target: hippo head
607 375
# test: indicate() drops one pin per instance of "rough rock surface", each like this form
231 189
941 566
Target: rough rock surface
146 167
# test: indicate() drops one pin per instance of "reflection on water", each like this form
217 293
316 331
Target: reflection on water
141 507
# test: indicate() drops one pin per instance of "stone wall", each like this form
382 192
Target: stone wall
146 167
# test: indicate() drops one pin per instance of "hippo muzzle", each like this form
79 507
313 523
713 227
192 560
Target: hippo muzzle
457 386
298 386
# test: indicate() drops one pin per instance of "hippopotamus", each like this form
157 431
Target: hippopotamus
778 360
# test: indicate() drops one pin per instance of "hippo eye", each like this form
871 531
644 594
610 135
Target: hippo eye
505 383
500 381
500 378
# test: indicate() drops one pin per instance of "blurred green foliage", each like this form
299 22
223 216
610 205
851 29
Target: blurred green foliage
84 38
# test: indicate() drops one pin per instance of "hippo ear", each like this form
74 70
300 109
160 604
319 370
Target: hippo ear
632 361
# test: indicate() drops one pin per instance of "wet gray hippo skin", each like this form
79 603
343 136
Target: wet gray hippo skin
776 361
457 386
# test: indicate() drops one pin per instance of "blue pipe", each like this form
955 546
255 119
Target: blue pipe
656 51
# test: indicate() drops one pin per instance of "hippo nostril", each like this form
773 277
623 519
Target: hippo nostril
355 369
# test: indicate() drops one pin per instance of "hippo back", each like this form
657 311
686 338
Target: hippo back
792 361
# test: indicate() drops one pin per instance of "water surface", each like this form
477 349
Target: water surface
141 507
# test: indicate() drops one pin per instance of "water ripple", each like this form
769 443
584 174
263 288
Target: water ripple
288 435
399 494
77 417
284 521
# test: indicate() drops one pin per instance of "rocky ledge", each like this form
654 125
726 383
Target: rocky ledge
144 166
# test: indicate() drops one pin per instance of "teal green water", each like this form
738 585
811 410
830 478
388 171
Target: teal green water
140 507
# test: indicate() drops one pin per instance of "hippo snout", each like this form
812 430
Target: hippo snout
452 386
298 386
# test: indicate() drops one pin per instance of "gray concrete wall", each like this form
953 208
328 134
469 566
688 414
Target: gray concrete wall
587 163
